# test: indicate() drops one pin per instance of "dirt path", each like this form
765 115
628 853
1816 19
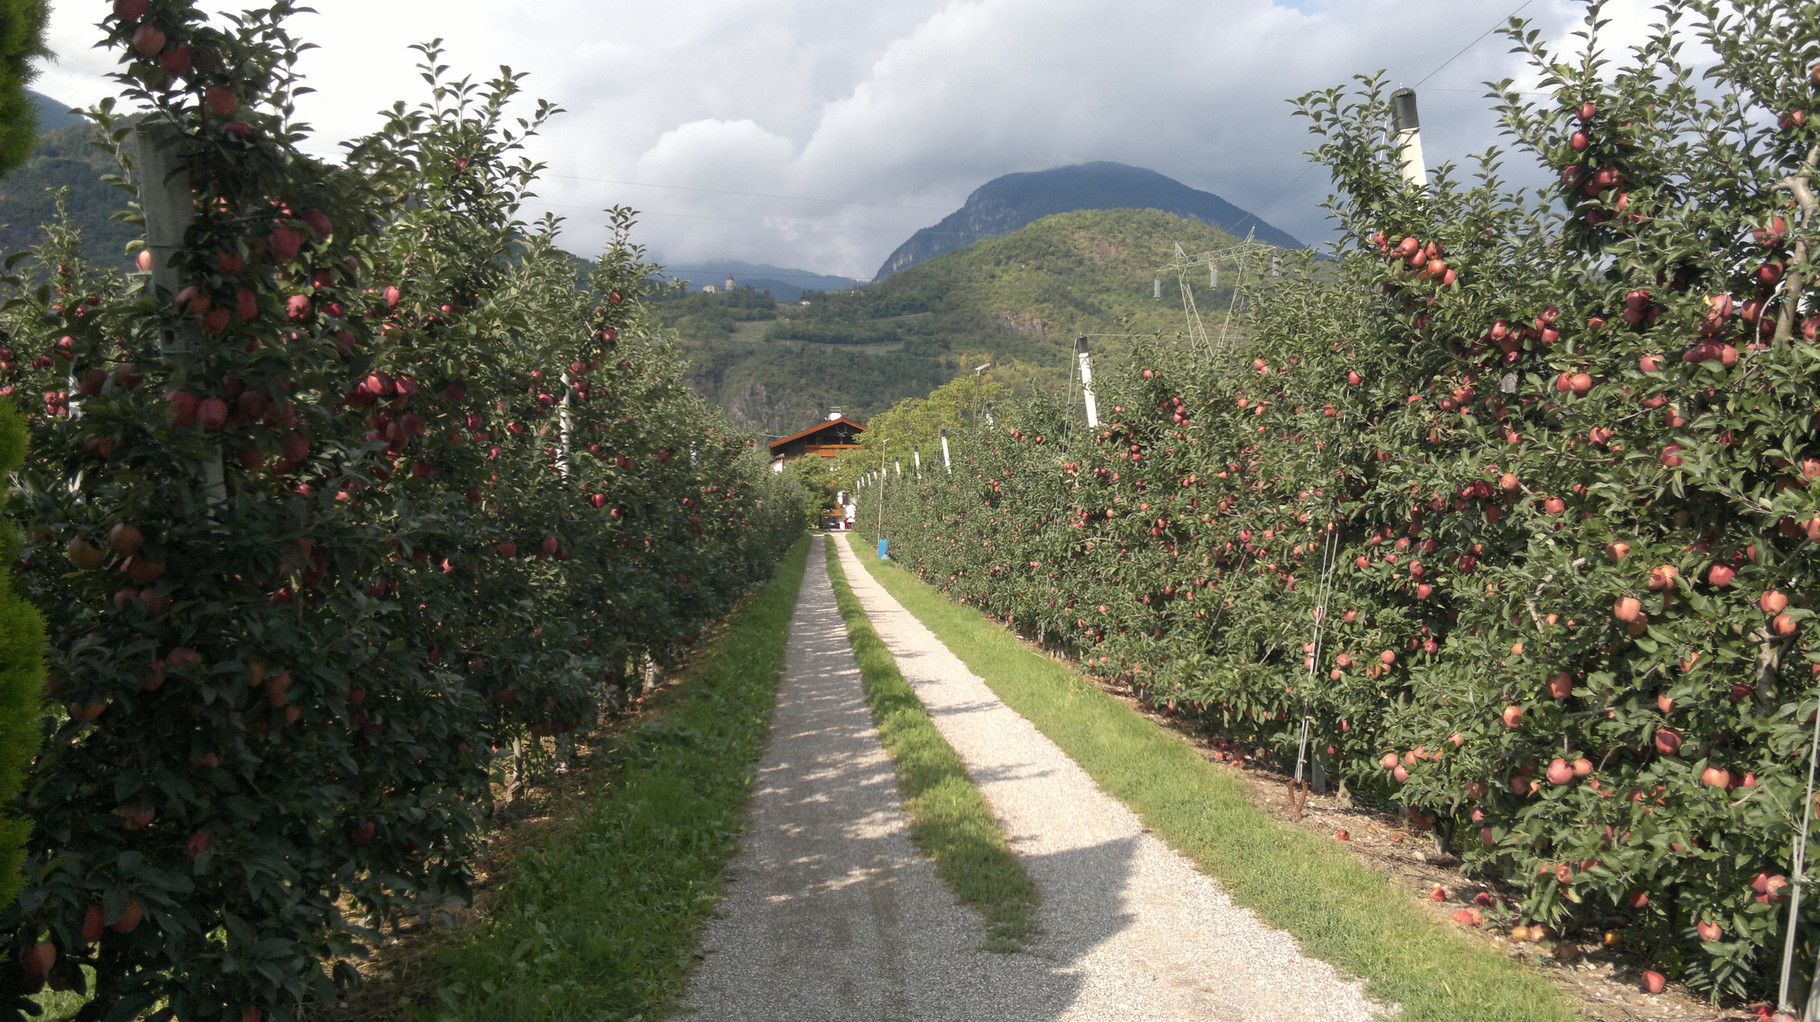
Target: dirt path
833 915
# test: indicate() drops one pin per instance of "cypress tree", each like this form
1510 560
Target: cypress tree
21 45
21 680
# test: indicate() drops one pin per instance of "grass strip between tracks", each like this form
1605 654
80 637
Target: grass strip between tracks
602 922
1341 910
949 818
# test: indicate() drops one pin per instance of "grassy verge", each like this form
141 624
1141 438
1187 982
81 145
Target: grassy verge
601 923
1342 911
949 819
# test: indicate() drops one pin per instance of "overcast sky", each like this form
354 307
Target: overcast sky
820 134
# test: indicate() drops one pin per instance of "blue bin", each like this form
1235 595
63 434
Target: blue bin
881 549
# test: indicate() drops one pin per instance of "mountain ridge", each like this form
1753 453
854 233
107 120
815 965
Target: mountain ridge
1017 300
786 284
1013 201
53 114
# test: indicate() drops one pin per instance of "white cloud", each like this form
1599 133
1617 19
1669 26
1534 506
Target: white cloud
848 126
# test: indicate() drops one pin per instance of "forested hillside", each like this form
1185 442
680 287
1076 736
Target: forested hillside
66 159
1017 301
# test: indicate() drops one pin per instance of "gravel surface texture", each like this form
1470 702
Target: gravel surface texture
832 914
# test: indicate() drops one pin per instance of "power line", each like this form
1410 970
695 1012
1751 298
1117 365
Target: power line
1481 38
1474 43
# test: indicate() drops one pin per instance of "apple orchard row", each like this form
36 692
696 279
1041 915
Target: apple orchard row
361 489
1515 500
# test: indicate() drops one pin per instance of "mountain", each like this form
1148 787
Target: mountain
66 159
1007 203
53 114
1017 300
783 284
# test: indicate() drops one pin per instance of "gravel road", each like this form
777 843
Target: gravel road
832 915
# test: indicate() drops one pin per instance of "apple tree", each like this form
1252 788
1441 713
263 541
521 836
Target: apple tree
322 514
1513 501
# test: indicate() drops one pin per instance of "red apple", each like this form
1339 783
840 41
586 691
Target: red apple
221 99
176 59
35 962
83 554
284 241
211 413
148 40
1628 609
130 917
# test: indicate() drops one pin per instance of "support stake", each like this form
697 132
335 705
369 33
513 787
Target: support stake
1408 128
170 209
1093 408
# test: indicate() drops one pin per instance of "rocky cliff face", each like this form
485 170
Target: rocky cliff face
1009 203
